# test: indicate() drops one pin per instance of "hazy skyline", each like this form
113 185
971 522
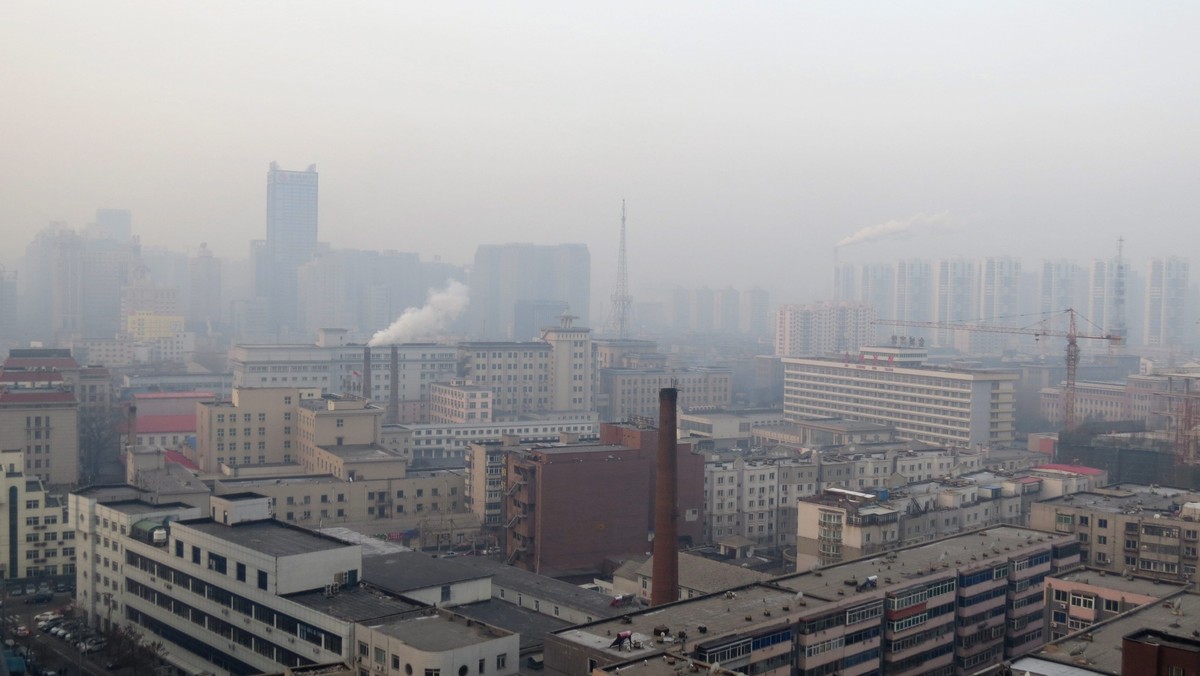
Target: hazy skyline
1031 129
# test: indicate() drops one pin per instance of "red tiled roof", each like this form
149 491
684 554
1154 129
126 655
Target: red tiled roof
162 424
35 397
1076 469
9 376
174 395
34 362
179 459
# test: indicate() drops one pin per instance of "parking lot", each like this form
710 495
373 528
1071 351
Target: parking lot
45 652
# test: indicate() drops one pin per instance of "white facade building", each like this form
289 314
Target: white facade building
888 386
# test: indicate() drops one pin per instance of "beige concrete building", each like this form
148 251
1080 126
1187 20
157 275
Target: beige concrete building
840 524
822 329
485 482
334 366
890 386
1143 530
459 402
628 393
725 428
420 509
518 374
44 423
38 536
433 443
257 426
1079 599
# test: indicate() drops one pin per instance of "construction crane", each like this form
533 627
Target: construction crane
1038 331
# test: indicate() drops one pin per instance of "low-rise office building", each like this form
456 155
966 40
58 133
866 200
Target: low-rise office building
954 606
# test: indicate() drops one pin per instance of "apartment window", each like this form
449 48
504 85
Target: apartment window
1082 601
445 593
1102 523
1111 606
501 660
179 548
195 555
433 672
380 656
241 572
262 579
482 664
341 422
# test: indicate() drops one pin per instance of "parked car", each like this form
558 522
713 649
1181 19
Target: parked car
16 590
92 645
48 625
61 587
40 597
30 588
48 615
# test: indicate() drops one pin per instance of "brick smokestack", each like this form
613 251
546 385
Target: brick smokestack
131 435
366 380
666 504
393 415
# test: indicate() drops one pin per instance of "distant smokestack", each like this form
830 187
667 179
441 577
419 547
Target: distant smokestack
666 512
131 440
393 415
366 380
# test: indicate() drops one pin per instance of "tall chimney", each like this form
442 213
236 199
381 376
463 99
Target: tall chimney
366 379
666 510
131 443
394 402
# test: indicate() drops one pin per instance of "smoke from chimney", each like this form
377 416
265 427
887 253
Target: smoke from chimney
666 503
897 228
440 308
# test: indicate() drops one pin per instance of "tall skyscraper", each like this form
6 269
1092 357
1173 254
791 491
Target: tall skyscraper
291 241
823 329
1166 302
506 273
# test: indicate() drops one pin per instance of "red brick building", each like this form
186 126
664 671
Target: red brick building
571 506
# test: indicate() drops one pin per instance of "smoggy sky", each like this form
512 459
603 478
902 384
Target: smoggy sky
747 138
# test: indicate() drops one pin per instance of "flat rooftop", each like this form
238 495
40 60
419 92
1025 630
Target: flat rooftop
400 572
267 537
531 625
355 604
721 613
1128 498
564 593
909 566
363 452
1103 652
1135 585
438 632
554 449
290 480
135 507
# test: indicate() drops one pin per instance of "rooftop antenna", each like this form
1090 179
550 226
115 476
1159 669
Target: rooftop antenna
622 302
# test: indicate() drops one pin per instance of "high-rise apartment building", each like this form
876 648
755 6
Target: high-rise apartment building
204 306
954 296
1060 283
912 295
823 329
1166 308
504 274
291 240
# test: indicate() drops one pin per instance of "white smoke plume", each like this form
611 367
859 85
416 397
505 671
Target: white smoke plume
440 308
897 228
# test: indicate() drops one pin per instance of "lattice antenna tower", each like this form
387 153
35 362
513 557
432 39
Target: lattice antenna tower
622 302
